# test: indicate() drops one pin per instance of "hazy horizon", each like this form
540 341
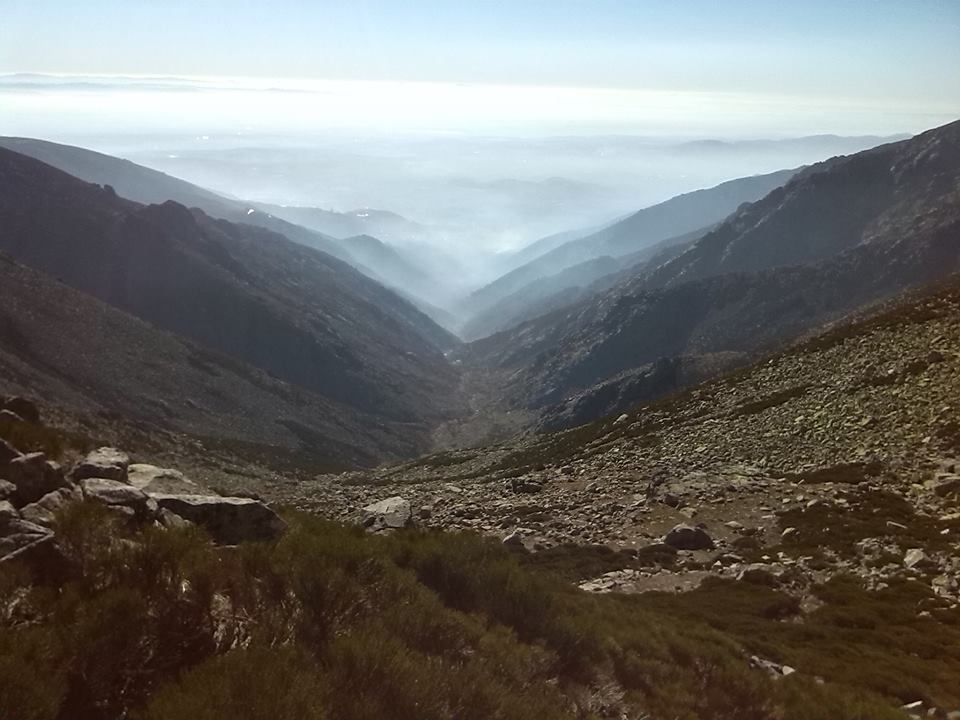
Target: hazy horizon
490 125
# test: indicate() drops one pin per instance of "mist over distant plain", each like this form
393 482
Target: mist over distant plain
480 169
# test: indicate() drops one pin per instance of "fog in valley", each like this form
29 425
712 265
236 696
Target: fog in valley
457 179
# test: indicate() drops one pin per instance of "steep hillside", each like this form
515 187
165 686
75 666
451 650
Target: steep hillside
817 489
843 233
780 544
677 216
300 315
106 368
570 286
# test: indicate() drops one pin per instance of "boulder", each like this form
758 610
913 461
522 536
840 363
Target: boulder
229 520
153 479
115 494
390 514
34 476
43 511
514 539
22 407
688 537
106 463
914 557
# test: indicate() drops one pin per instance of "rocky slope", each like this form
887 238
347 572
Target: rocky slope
244 292
836 456
841 234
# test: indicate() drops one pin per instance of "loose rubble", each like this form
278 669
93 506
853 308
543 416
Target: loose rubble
752 463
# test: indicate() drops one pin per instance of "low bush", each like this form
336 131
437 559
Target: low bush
329 622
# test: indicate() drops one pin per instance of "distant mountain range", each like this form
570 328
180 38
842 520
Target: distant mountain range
492 307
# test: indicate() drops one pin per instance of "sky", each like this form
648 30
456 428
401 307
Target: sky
555 66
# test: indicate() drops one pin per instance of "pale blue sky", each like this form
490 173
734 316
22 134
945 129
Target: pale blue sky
696 68
905 50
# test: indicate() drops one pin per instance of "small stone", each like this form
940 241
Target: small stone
913 557
514 539
671 500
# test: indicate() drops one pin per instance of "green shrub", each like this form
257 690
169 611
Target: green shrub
250 684
330 622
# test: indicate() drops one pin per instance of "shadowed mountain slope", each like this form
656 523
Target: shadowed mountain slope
298 314
105 366
841 234
144 185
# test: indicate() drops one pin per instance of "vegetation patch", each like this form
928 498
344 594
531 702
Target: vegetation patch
873 514
329 622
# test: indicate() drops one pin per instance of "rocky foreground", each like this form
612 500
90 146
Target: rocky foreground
35 490
805 510
839 455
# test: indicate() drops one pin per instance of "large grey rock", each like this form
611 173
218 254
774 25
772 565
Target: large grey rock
34 476
688 537
26 409
106 462
390 514
115 494
153 479
229 520
43 511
